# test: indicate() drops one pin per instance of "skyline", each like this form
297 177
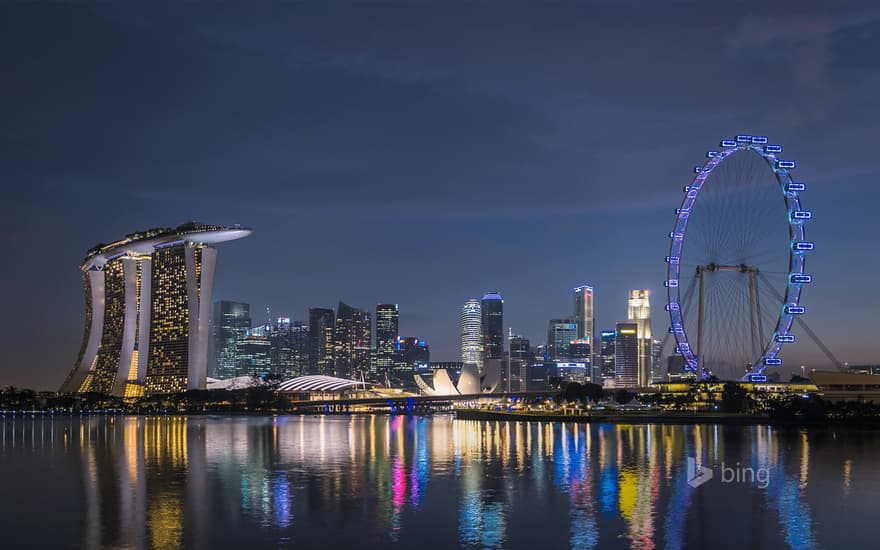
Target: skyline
381 167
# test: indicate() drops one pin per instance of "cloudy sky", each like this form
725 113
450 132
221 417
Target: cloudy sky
423 152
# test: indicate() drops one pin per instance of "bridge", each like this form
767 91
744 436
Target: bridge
415 404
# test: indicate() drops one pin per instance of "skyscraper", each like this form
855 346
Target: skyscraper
560 334
413 357
354 333
231 321
639 312
148 300
289 350
492 324
322 331
471 334
606 355
387 331
583 313
626 355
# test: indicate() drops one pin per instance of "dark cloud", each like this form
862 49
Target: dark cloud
419 152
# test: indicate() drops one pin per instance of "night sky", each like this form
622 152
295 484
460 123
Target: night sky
423 153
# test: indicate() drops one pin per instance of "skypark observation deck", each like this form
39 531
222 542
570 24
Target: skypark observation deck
148 302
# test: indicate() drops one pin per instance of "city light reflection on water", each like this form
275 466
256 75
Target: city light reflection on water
380 481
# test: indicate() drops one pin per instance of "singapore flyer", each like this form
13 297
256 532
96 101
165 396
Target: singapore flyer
736 263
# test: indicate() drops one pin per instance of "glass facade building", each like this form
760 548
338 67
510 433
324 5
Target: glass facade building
230 324
639 312
560 334
626 355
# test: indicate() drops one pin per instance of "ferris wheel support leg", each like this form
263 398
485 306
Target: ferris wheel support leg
753 312
701 271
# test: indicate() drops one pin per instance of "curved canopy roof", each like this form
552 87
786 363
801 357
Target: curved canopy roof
144 242
317 382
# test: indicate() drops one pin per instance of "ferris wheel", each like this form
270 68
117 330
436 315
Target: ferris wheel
736 261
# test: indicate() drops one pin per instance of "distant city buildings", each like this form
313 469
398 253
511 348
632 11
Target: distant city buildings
148 306
471 333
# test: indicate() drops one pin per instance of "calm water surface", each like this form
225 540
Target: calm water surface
411 482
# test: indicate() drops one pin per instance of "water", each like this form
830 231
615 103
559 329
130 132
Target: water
410 482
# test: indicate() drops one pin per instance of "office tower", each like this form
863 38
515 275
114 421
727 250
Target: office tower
322 331
471 334
492 324
657 374
231 322
254 352
289 348
583 313
606 355
580 350
559 336
626 355
387 331
639 312
354 333
521 357
413 357
148 300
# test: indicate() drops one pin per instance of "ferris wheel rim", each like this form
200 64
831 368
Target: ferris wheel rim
798 247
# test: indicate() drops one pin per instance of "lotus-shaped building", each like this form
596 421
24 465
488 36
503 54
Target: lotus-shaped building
470 382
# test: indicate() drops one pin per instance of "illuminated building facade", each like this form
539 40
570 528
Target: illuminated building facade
289 348
413 357
626 355
387 331
639 312
492 325
148 299
471 334
322 327
353 336
230 324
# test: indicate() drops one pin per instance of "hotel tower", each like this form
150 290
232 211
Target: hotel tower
148 302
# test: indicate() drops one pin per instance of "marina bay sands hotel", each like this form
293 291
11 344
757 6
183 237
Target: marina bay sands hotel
148 302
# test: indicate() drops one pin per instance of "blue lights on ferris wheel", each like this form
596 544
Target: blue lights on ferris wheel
672 259
744 138
773 362
711 154
759 140
801 278
785 338
671 283
758 377
794 187
795 310
804 245
728 143
673 306
787 164
802 215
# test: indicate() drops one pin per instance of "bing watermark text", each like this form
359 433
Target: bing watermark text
697 474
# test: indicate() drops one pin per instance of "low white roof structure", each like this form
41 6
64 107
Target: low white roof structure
469 381
237 383
319 383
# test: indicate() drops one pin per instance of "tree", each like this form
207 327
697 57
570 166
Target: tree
735 398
